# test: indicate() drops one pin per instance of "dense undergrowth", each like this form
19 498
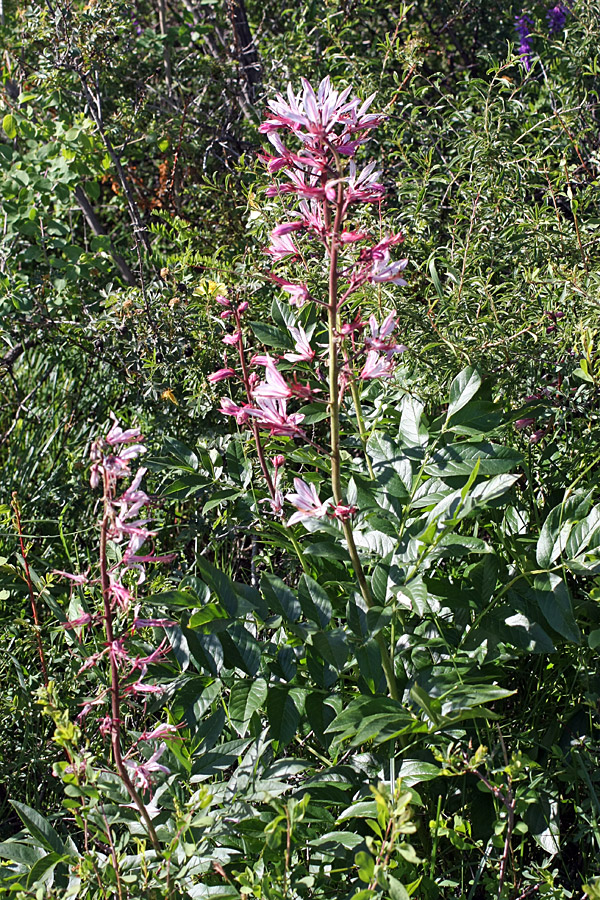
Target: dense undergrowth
396 692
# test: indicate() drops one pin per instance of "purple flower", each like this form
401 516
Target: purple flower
557 16
523 26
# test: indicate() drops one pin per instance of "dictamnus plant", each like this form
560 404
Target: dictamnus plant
315 138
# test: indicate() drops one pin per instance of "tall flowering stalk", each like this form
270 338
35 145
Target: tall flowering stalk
122 527
315 137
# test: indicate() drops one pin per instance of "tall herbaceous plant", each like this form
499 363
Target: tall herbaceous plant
316 139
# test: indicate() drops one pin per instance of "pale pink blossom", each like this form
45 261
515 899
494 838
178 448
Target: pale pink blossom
363 186
379 333
302 391
304 350
307 502
287 228
116 435
152 623
83 619
229 408
76 579
105 726
232 339
140 687
281 246
118 652
384 271
274 386
165 730
142 773
376 366
120 593
299 293
275 502
272 415
342 512
351 237
142 662
221 375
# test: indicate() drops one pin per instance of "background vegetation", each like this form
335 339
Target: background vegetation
132 193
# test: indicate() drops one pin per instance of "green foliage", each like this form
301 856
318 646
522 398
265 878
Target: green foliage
296 774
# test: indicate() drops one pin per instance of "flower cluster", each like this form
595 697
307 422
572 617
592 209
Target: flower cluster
557 17
523 27
315 136
129 533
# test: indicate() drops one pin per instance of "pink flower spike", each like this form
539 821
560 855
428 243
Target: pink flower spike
222 301
307 502
221 375
305 352
232 339
243 307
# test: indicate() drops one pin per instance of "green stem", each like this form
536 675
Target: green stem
298 549
364 437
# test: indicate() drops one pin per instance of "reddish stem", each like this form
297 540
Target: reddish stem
254 425
115 693
36 619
